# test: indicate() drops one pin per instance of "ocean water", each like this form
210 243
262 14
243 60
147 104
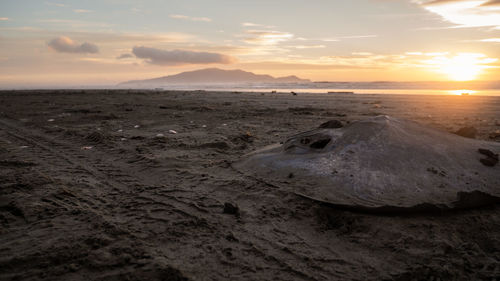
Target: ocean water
472 89
463 92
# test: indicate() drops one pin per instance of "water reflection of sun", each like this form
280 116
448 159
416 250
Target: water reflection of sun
462 92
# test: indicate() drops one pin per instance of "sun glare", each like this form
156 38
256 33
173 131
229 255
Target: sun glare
462 92
462 67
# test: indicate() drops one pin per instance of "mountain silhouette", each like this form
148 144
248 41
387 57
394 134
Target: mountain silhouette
215 75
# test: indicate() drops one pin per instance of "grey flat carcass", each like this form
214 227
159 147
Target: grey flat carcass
382 164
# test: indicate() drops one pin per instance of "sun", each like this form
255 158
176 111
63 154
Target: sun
463 67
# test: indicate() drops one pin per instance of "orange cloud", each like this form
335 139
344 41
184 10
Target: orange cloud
64 44
175 57
267 37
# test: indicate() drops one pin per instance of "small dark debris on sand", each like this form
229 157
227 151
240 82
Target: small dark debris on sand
436 172
231 209
15 163
328 113
13 209
491 158
245 137
467 132
95 137
332 124
490 162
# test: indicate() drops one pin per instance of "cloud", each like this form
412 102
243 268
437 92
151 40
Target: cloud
251 24
349 37
342 38
66 45
438 2
267 37
4 19
183 17
81 11
466 13
55 4
491 3
493 40
124 56
362 54
176 57
69 23
304 64
483 2
330 40
359 36
308 46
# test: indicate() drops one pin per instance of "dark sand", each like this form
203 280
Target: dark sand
81 200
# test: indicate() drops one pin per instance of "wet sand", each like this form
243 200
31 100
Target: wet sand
131 185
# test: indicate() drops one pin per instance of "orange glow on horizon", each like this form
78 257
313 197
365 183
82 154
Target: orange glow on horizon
462 92
462 67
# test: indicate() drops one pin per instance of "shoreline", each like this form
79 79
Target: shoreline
332 92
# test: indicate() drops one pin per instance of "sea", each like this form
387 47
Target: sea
469 88
398 88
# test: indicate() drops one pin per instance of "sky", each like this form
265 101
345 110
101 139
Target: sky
104 42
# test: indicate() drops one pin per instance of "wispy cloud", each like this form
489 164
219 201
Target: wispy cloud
466 13
491 3
184 17
359 36
297 63
427 54
80 24
493 40
362 54
251 24
27 29
330 40
112 38
483 2
266 37
81 11
308 46
55 4
66 45
434 61
124 56
4 19
177 57
341 38
364 61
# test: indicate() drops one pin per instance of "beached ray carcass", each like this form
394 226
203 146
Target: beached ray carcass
382 164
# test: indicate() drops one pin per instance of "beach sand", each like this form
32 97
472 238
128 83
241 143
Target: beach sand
131 185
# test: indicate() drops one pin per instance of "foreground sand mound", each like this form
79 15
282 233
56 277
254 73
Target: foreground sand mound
382 164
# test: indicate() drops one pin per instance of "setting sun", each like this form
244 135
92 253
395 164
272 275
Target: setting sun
461 67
